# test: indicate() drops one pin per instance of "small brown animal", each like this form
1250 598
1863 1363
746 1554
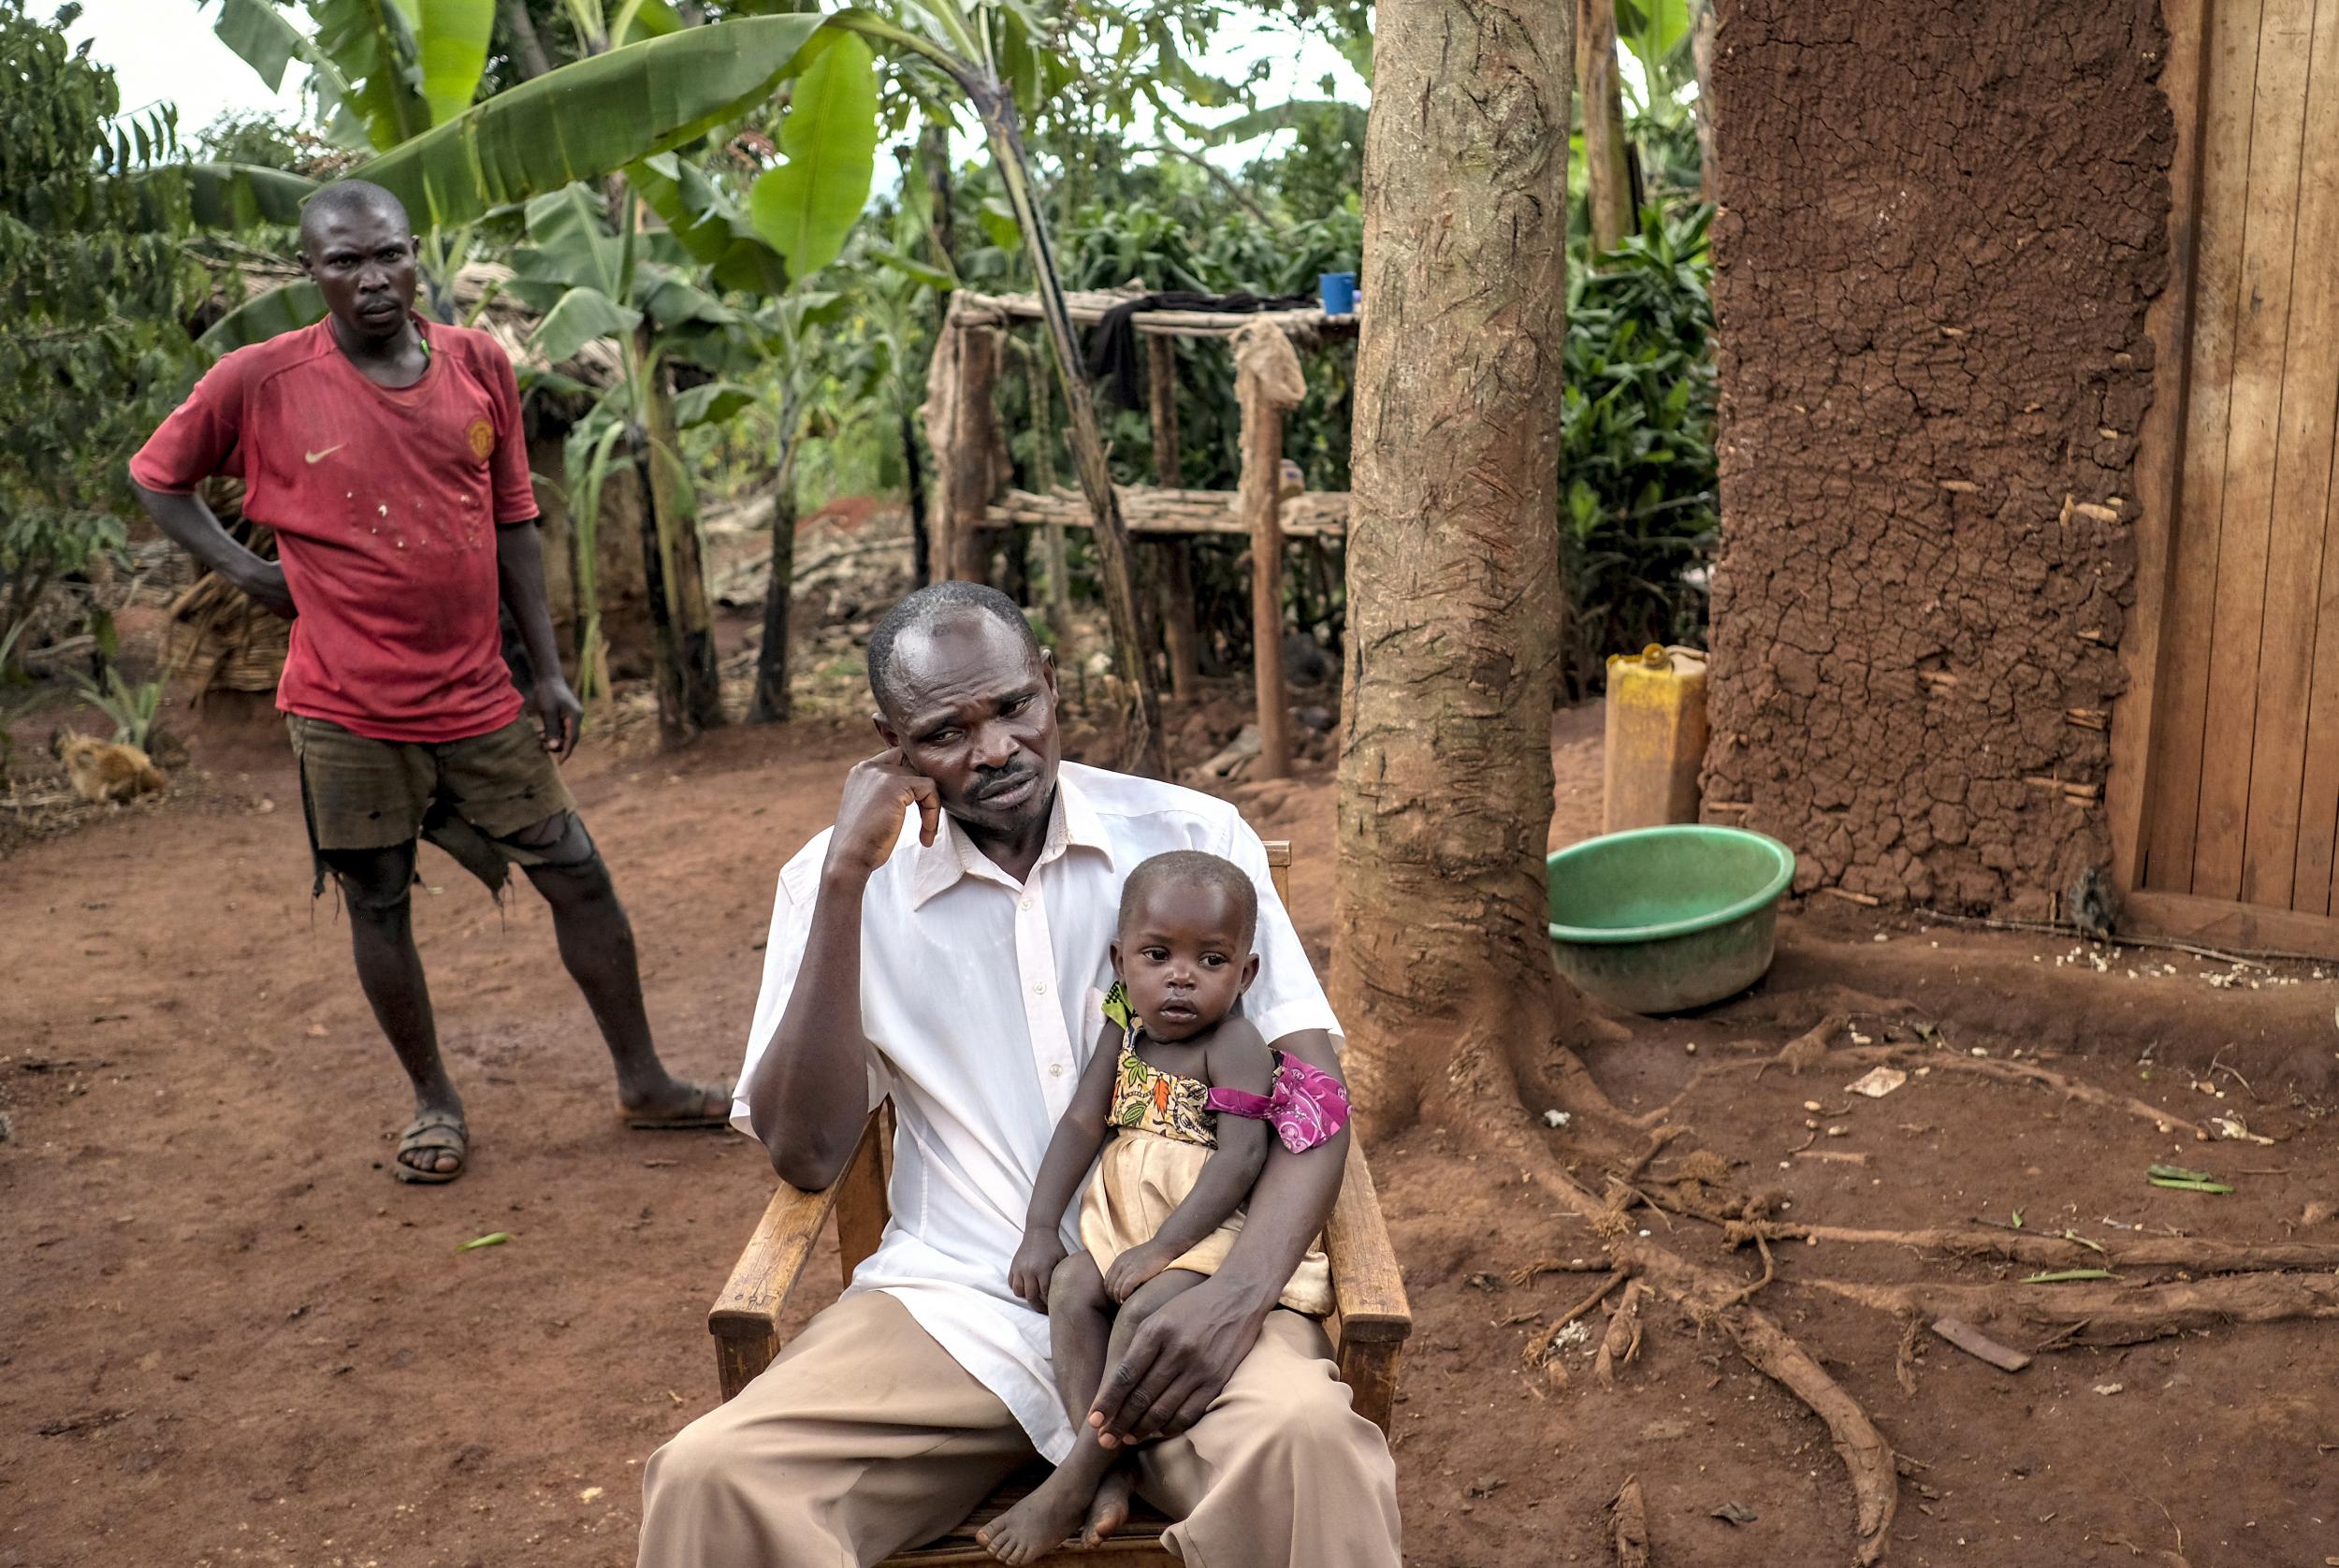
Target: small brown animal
105 770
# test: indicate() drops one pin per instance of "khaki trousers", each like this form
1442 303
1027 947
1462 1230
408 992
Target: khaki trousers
865 1437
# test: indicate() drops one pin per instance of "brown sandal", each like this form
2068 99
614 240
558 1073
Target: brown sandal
433 1132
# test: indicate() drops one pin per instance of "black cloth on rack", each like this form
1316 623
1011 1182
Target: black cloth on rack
1112 356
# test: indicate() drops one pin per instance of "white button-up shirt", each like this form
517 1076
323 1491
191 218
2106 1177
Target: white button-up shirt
978 994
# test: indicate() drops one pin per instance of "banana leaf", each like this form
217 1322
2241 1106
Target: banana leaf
707 224
372 42
715 403
265 315
452 39
265 40
582 315
245 195
805 206
590 118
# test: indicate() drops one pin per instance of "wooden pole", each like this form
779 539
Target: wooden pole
1177 555
1044 470
967 474
1261 505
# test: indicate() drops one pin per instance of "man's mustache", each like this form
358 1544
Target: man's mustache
1001 783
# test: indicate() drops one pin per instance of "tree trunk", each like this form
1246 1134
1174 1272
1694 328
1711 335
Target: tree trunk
1441 972
529 59
772 703
1606 166
1142 747
690 695
914 480
934 151
1702 35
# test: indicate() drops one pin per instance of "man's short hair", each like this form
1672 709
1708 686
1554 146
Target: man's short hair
1191 865
349 195
924 610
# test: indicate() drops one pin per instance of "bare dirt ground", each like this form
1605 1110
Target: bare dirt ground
230 1337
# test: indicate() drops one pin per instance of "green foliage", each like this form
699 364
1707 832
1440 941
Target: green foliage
588 119
1638 462
805 206
93 292
452 44
373 43
131 707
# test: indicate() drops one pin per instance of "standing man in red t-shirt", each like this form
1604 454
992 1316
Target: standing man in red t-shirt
387 453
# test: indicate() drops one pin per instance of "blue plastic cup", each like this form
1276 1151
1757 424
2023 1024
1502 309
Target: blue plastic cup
1338 291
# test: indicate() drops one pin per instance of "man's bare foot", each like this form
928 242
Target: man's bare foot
1110 1510
678 1103
1041 1522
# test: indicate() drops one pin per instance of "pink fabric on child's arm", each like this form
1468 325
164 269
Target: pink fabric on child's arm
1307 1107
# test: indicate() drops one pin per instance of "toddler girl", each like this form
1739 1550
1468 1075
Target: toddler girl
1185 1094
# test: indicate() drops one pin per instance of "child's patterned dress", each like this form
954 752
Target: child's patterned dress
1164 1129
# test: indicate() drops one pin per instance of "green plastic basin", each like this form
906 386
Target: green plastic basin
1662 920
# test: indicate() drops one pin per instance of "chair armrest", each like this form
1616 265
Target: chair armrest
745 1320
1368 1292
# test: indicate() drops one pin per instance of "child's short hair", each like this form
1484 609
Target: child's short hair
1192 865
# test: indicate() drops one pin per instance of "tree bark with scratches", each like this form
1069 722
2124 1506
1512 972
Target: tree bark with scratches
1440 966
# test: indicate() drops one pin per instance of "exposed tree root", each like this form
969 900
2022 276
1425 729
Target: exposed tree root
1800 1054
2113 1314
1770 1272
2143 1252
1621 1343
1480 1108
1540 1350
1628 1523
1774 1352
1905 1358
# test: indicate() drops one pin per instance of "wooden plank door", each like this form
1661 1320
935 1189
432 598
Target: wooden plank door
2243 794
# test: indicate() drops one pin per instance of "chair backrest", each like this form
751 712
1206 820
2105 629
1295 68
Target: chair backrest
1279 867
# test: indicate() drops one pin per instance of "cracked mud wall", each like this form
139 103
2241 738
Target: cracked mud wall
1941 225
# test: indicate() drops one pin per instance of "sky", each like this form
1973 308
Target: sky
164 51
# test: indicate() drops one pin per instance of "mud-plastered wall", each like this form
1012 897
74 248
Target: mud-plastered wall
1941 225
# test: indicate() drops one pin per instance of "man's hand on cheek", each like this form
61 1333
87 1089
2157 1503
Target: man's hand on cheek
1177 1364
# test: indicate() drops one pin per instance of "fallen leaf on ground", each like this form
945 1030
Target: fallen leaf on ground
2110 1387
2065 1276
495 1239
1877 1083
1737 1513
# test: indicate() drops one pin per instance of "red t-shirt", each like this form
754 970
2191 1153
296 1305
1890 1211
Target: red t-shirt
386 503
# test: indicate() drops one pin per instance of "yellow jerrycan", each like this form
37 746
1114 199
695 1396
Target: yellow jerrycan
1656 737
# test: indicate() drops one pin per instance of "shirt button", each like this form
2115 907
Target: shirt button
1025 905
1040 990
1055 1069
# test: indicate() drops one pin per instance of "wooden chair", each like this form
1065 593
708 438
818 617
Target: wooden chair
1368 1325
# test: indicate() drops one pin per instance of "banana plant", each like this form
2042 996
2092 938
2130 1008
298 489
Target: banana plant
636 289
400 72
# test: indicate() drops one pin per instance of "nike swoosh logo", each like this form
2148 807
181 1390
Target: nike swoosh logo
320 457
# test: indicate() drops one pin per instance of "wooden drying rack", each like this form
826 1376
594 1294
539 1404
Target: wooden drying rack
962 415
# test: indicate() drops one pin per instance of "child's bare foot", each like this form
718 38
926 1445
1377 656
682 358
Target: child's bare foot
1110 1510
1041 1522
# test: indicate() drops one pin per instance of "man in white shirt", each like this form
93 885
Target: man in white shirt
943 944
